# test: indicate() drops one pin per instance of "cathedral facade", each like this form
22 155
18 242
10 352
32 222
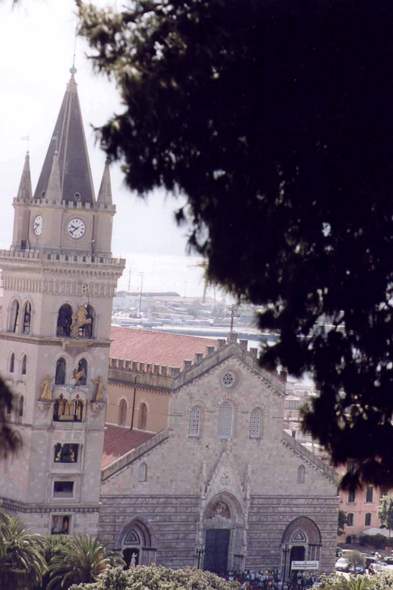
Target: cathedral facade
193 466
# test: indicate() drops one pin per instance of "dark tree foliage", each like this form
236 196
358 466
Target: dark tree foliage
275 119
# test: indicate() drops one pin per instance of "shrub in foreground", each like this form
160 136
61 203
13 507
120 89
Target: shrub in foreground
157 578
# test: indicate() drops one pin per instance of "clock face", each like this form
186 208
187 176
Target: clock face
37 225
76 228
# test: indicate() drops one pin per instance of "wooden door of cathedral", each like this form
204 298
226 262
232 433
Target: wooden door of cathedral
216 550
298 553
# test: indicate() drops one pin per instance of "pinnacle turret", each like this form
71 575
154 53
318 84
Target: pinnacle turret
105 193
53 192
69 140
25 191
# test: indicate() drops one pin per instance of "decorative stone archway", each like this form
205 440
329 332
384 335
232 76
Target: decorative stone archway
137 539
301 542
223 534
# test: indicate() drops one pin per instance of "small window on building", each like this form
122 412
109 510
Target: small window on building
122 413
24 364
60 525
367 519
369 494
26 317
142 473
301 474
225 420
350 519
63 489
14 316
67 453
12 363
351 497
193 422
143 416
64 320
255 424
60 375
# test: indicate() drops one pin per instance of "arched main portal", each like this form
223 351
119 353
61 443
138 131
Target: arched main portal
137 539
301 542
223 534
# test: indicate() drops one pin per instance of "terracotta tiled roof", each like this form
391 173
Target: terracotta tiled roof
118 441
160 348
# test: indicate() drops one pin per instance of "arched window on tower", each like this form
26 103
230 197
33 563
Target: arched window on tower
225 420
64 320
301 474
87 330
82 372
193 422
60 375
255 424
24 364
142 417
122 413
26 317
14 316
12 363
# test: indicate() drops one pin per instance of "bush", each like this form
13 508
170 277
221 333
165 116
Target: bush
157 577
381 581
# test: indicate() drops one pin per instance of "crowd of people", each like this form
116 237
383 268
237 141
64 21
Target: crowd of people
270 579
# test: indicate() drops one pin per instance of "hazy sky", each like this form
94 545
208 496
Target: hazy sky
36 46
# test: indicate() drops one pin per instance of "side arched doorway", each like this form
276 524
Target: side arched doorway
301 542
224 535
136 540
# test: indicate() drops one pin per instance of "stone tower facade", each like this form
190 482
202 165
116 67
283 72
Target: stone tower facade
59 280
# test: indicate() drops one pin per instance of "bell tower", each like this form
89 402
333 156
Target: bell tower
59 279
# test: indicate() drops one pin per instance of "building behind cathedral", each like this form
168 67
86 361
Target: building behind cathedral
193 466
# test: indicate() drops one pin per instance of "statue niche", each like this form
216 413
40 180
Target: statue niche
82 322
100 393
219 510
65 411
46 389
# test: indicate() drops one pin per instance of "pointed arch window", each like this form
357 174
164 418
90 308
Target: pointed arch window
14 316
142 473
193 422
24 364
64 320
60 375
225 420
142 416
82 372
12 363
255 423
20 408
122 413
26 317
301 474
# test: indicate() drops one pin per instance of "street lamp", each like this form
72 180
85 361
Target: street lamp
199 551
232 313
285 547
